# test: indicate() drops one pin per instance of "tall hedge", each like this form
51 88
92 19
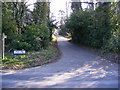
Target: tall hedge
34 38
96 28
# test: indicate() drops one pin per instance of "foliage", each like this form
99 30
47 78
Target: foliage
16 44
8 62
51 27
79 25
113 43
19 10
31 59
96 28
60 32
34 38
41 13
8 25
76 6
21 27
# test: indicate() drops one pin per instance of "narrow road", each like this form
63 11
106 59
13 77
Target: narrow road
77 68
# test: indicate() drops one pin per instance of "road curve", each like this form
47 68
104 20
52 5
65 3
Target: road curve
77 68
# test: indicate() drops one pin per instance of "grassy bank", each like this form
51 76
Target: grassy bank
32 58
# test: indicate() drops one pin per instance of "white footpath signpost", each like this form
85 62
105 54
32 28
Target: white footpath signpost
3 51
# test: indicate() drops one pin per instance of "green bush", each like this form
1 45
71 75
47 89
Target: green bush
19 43
112 45
37 36
96 28
8 25
34 38
60 32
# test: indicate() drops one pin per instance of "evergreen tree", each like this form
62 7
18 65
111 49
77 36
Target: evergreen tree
41 13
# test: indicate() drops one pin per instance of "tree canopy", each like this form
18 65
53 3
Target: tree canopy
97 27
25 29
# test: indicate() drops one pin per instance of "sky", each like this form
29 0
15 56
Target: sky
31 2
55 6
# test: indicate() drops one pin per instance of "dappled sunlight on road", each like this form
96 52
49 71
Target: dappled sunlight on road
85 76
77 68
62 38
7 73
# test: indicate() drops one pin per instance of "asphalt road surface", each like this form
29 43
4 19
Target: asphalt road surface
77 68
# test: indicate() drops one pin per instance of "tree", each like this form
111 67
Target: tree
62 16
51 26
102 20
21 31
113 43
19 10
76 5
41 13
8 23
98 28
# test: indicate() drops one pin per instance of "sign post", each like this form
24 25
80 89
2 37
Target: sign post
3 51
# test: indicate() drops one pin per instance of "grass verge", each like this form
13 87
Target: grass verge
31 59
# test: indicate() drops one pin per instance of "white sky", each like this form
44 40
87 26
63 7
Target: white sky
55 6
31 2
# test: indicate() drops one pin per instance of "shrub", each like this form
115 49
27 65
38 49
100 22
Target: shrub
97 28
19 43
37 36
112 45
60 32
34 38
